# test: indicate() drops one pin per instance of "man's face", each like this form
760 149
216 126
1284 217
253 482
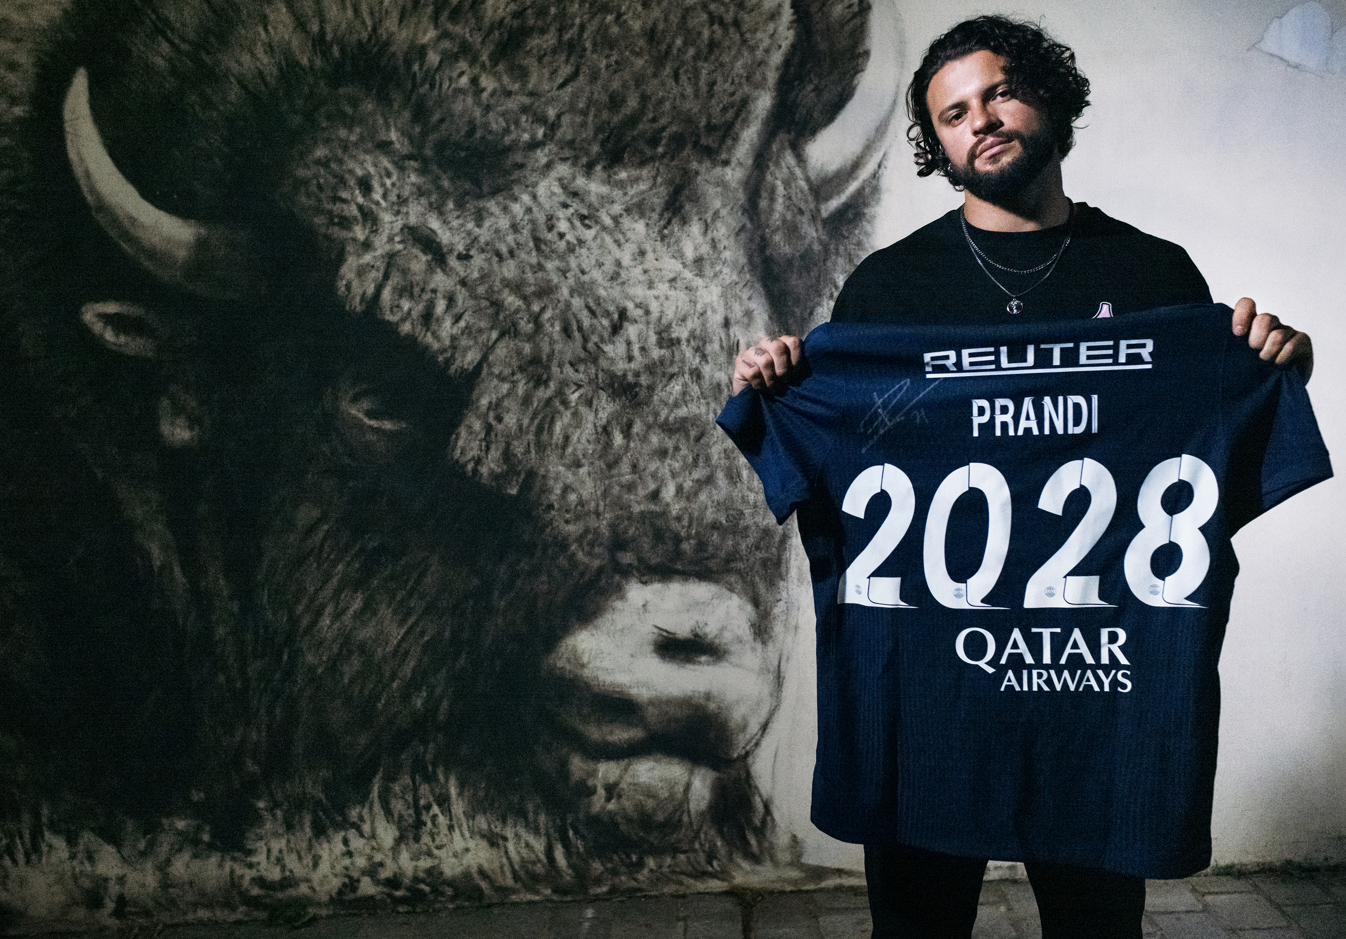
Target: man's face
997 144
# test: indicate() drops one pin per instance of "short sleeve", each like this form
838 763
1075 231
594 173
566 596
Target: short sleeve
1296 456
784 447
1278 450
849 306
1182 281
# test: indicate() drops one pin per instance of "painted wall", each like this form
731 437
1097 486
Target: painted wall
1196 135
397 560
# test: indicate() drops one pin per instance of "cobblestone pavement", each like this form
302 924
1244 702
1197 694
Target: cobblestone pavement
1283 905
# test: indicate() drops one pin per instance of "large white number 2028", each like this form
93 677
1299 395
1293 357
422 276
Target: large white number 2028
1051 585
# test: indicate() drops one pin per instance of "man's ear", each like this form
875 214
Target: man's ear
127 328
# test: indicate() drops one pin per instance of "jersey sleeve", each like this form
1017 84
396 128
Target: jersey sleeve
1279 450
783 447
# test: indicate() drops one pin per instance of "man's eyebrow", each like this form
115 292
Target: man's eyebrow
987 92
954 106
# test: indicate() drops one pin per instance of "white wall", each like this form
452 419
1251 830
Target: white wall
1197 137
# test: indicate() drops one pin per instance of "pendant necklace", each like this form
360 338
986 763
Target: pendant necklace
1016 305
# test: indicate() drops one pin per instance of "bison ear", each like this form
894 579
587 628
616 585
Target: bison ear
131 329
127 328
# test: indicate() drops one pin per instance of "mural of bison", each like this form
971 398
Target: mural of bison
365 530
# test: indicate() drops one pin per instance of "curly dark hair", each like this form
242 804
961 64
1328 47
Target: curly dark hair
1039 69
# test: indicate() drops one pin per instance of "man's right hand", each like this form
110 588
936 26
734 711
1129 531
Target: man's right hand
767 364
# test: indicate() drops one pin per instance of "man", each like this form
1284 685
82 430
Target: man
992 107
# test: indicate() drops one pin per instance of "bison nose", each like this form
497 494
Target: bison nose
669 667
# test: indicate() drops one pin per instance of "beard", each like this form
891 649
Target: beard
1006 185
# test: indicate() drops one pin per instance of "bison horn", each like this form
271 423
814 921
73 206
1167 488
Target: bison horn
845 153
209 260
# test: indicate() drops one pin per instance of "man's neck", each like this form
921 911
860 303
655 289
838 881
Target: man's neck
1043 204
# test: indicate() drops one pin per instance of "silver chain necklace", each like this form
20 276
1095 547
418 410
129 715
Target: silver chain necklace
1015 305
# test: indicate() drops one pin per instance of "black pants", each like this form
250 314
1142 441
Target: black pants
918 894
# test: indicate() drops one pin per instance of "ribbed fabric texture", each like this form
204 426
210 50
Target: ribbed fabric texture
1048 688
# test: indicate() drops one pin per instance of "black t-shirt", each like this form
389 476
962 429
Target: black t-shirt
932 278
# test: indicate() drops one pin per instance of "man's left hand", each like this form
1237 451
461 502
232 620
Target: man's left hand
1278 343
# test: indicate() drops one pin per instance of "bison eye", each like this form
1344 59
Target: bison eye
372 423
394 409
369 409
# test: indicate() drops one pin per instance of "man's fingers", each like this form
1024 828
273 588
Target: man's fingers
767 363
1266 331
1299 350
1267 334
747 372
1288 345
767 370
1244 312
779 358
1280 348
754 366
1273 340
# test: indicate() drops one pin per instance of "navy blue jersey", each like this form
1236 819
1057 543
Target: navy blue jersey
1019 542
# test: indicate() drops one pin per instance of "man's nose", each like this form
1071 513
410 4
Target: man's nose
984 120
